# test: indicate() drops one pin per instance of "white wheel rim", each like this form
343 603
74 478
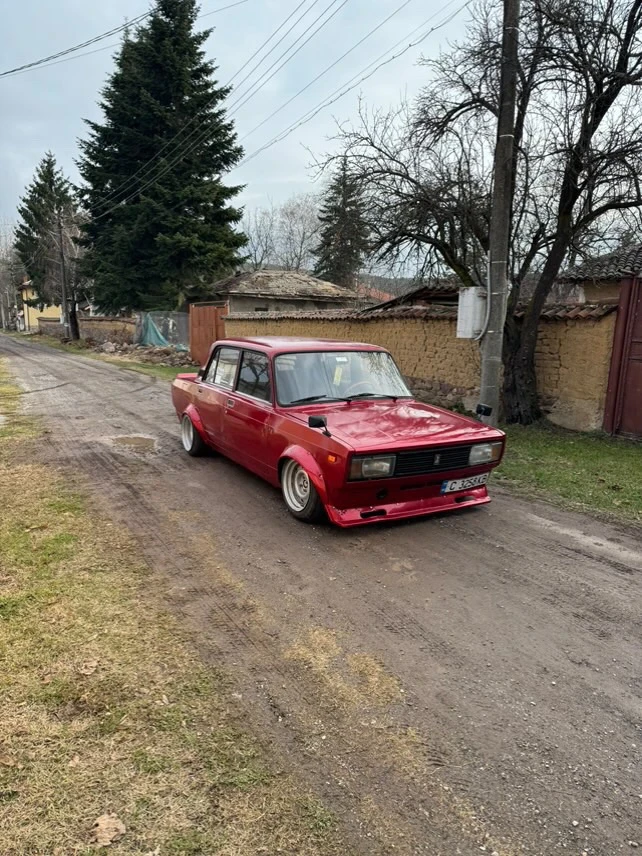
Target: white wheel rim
296 486
187 433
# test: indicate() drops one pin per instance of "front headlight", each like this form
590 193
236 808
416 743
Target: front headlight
372 468
484 453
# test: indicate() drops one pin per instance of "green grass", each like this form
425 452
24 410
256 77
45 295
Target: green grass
81 348
591 472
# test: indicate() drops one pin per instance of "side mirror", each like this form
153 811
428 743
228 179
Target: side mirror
200 374
319 422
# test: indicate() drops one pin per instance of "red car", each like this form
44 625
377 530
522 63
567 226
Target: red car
334 425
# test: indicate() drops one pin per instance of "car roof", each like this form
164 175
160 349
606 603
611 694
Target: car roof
288 344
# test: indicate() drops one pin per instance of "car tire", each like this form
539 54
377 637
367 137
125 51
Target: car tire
191 439
299 494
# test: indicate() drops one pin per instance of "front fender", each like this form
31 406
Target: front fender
310 465
197 422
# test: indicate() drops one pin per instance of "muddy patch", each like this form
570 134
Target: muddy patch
137 443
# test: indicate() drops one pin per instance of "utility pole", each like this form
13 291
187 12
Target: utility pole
63 279
500 220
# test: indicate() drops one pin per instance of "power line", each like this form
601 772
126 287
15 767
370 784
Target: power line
130 181
274 47
45 63
203 135
365 73
331 66
114 31
263 80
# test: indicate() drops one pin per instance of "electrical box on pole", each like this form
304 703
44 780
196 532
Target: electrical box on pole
471 312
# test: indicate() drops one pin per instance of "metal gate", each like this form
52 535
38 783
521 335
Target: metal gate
624 399
206 325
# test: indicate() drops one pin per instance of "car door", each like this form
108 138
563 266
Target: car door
249 412
212 395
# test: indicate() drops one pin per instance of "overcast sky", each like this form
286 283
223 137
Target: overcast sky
44 108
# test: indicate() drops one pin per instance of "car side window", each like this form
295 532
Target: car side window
226 365
208 377
254 376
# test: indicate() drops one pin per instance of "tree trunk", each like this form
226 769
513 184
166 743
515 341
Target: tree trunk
520 381
74 327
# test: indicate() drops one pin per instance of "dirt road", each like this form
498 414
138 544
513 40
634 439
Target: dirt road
447 686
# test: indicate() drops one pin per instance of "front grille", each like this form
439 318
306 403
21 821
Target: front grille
424 461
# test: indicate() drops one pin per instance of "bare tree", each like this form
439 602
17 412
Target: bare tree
259 227
426 169
297 232
11 274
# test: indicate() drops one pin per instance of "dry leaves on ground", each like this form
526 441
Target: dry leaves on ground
107 829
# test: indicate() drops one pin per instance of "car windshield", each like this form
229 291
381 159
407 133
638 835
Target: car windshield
337 376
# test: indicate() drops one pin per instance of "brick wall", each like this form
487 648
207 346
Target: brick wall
98 329
573 358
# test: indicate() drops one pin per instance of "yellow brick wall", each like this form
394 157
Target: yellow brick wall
572 360
439 367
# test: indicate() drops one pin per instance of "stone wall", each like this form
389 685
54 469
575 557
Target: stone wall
573 358
96 328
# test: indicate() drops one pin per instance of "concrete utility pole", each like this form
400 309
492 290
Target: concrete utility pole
500 219
63 279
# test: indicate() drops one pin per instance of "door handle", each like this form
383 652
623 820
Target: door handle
230 403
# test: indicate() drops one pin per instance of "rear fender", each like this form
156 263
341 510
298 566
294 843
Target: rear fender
197 422
310 465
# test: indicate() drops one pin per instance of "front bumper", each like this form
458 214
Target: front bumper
419 507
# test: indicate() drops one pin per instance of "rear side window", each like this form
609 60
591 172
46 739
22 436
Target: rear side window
225 374
254 377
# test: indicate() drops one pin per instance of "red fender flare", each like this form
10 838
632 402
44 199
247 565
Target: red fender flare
196 421
310 465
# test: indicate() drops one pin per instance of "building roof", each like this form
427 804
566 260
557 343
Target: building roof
369 292
608 268
436 291
553 312
284 284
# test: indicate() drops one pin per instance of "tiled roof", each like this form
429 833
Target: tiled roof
611 267
295 285
574 311
558 312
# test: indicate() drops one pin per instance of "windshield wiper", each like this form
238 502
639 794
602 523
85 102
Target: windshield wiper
371 395
310 398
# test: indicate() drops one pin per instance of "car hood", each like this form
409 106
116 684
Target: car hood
407 424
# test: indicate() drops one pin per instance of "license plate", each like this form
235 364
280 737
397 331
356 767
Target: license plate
464 484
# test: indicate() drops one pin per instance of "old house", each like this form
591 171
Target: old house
279 291
29 319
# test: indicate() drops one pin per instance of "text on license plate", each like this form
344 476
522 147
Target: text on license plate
464 484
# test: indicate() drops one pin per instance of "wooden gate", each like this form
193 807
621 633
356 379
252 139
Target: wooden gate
206 325
624 401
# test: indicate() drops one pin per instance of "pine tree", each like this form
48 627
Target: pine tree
154 246
47 199
344 232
